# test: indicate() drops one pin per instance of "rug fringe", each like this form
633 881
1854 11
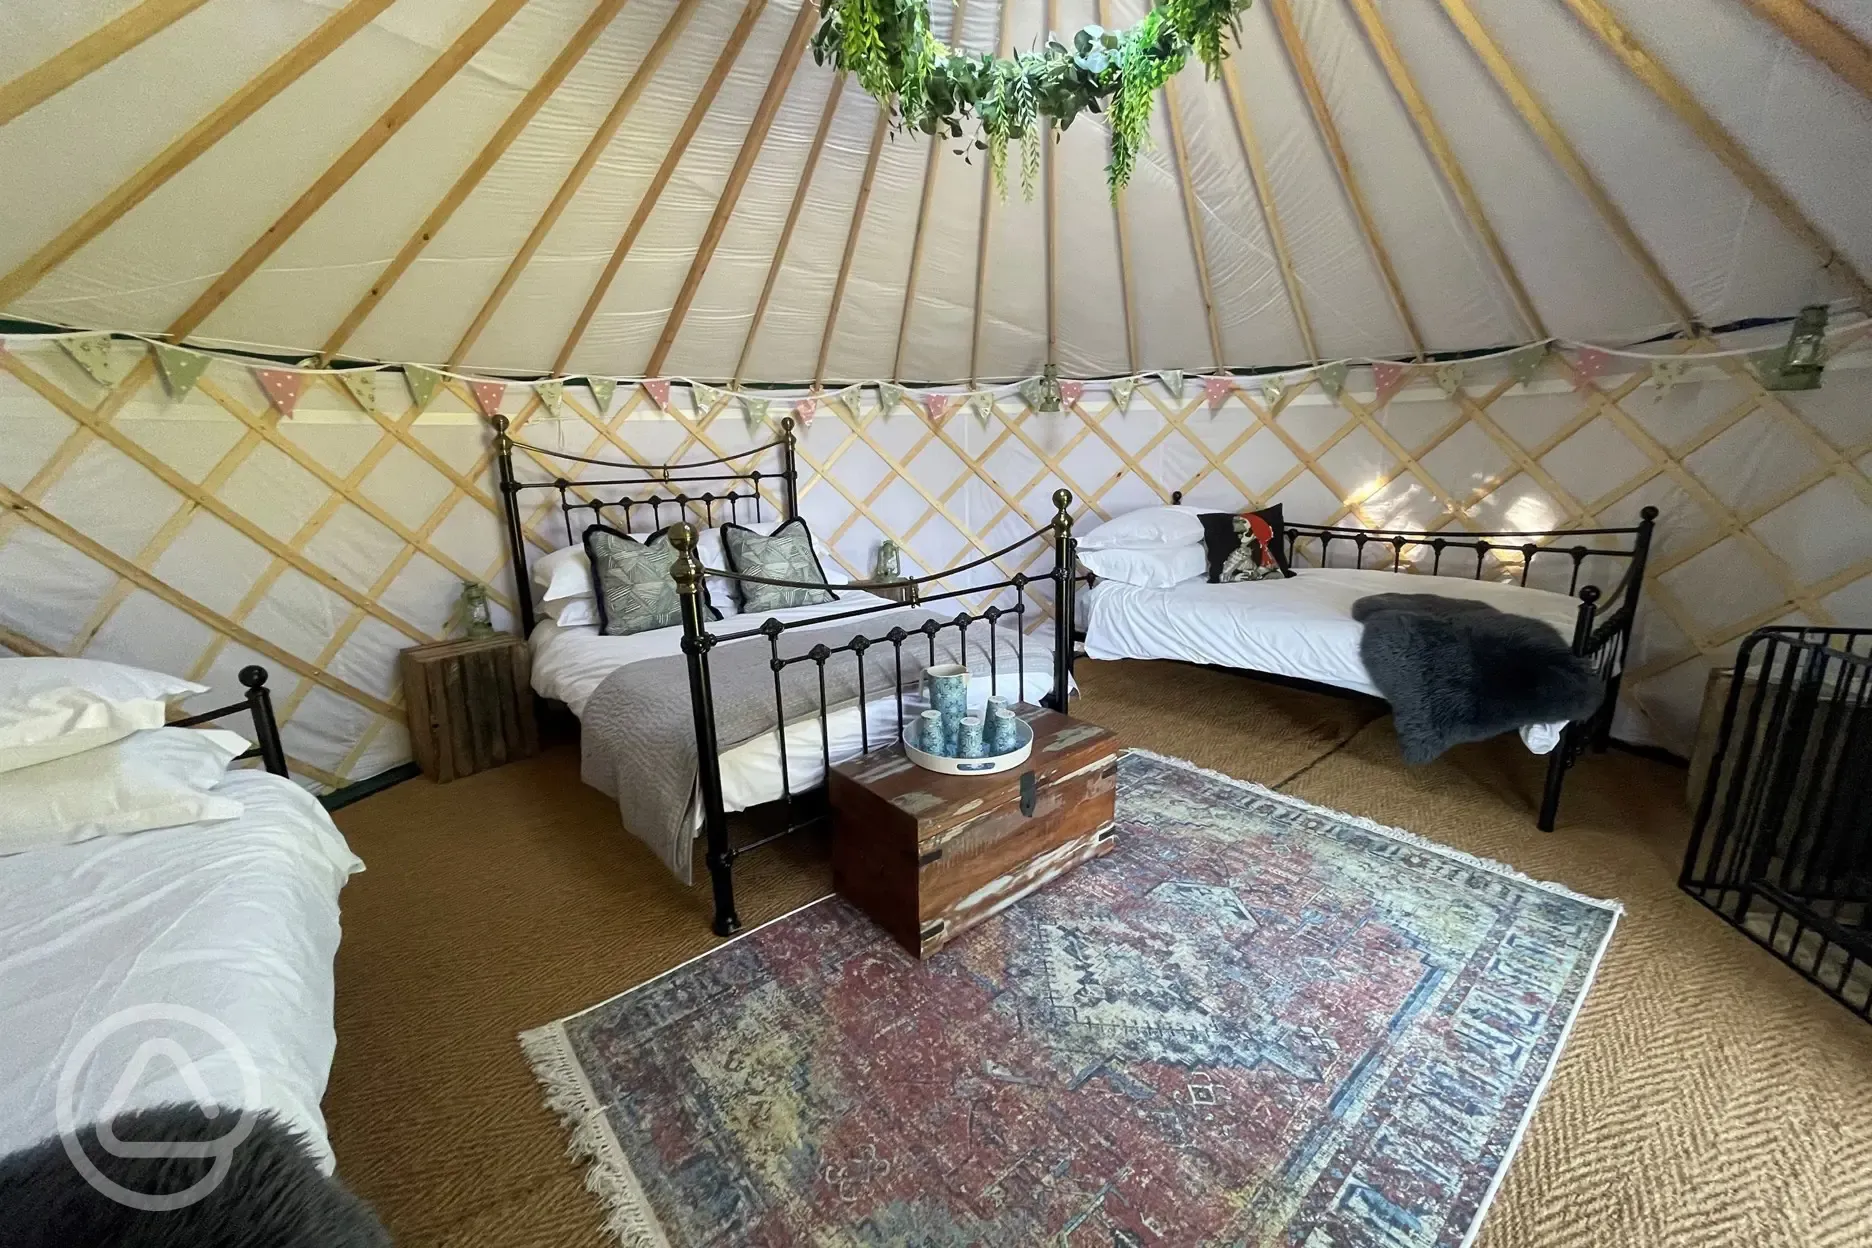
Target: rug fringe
1396 834
608 1176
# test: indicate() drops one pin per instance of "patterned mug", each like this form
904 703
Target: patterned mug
945 688
1002 731
932 737
969 738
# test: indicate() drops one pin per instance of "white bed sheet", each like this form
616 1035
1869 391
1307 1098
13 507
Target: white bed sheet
236 919
1300 626
570 663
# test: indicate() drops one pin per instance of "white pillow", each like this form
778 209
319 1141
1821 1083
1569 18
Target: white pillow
50 708
158 778
572 612
565 573
1152 569
1149 528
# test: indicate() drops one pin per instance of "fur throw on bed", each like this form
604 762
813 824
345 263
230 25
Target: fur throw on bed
271 1192
1455 670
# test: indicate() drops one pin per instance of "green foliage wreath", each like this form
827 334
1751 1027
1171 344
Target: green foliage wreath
888 47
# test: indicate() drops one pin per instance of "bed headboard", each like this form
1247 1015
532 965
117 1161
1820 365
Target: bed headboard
259 704
727 493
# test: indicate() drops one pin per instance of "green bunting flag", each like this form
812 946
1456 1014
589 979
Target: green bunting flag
362 383
1272 389
1032 391
984 407
552 394
422 383
92 352
1665 374
706 397
1526 362
602 388
1332 378
1173 382
1122 389
755 411
889 396
181 369
1449 378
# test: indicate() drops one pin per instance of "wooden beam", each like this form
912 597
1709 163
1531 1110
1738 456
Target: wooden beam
368 144
878 131
503 138
1379 36
792 219
1603 23
648 201
1127 292
1821 38
1561 150
1049 194
790 58
1270 215
1342 163
581 169
203 135
94 51
1192 212
916 251
1003 46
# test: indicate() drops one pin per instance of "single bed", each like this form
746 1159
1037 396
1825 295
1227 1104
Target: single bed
1301 627
235 920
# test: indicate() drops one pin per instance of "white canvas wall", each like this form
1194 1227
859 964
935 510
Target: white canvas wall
201 535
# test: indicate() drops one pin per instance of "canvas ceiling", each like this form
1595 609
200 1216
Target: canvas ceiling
1198 268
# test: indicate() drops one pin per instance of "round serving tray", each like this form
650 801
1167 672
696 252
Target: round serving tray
1024 736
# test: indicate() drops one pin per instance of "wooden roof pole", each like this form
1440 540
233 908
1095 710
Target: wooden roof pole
1049 193
204 134
1270 215
878 131
1003 47
581 169
368 144
792 219
1821 38
791 56
1509 79
1125 288
647 204
1342 163
502 139
1379 35
93 52
916 242
1192 212
1599 19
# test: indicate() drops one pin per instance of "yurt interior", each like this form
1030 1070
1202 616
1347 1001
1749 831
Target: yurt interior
935 622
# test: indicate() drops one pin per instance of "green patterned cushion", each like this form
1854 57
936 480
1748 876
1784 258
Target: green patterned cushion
784 555
635 591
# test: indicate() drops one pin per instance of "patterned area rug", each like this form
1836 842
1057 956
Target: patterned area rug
1256 1022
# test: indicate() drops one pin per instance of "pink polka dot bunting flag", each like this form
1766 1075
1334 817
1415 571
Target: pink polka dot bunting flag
283 387
489 395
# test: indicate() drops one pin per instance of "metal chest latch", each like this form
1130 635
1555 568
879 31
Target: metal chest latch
1030 793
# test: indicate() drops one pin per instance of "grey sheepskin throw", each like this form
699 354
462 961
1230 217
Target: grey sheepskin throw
1455 670
271 1194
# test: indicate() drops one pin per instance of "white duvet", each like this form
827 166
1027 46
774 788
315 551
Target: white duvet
236 921
570 663
1300 626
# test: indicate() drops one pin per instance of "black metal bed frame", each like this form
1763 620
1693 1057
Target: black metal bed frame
1602 627
1780 848
797 812
259 704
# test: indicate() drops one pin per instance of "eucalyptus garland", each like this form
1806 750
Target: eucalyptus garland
888 47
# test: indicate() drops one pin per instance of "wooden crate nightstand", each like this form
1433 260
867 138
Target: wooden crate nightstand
469 704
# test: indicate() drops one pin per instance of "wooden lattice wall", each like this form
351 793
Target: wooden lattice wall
200 535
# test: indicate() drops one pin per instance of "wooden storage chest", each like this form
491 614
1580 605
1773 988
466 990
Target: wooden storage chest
928 856
469 704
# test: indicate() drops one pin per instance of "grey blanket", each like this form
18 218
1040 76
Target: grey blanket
1456 670
637 734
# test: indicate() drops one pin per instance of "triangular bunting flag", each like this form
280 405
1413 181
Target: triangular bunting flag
1173 382
1665 374
1590 364
552 394
982 405
1217 388
1071 391
1032 391
1389 376
1526 362
93 354
937 405
422 383
756 411
489 395
181 368
1449 378
602 388
889 397
1332 378
706 397
283 387
1122 389
1273 389
362 383
806 409
1766 363
658 392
